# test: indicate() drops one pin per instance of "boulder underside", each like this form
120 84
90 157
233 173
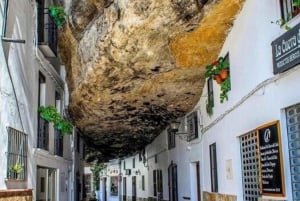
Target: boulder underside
134 66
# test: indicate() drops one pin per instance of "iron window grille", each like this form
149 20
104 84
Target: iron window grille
16 154
192 126
58 143
288 11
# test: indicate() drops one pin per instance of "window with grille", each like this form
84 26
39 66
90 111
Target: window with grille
43 125
289 9
249 157
192 126
293 132
213 167
16 154
157 184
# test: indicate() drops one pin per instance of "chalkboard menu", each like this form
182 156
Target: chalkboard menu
271 169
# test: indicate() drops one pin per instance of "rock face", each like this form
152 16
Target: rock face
134 66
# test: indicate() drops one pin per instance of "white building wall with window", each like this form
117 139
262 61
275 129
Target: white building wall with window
20 65
257 97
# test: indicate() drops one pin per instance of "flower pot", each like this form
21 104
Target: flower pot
218 79
224 74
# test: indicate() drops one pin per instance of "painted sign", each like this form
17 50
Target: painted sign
271 169
286 50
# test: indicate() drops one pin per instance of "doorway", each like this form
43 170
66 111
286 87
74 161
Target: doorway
124 189
195 181
46 184
172 176
134 188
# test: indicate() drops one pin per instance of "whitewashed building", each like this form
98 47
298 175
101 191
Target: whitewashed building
32 76
248 149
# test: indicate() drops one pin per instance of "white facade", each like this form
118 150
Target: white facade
21 65
257 97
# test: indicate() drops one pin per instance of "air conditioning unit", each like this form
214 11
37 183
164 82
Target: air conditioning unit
127 171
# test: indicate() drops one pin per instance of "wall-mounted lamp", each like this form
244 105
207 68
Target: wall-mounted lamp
174 128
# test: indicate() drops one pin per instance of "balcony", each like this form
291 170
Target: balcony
47 37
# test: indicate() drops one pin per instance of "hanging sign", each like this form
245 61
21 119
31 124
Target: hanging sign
286 50
270 160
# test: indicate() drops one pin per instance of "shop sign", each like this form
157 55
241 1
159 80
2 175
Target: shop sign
286 50
270 163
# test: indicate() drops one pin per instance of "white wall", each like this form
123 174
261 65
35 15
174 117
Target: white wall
25 61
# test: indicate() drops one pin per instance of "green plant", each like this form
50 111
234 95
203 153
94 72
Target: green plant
225 88
96 169
51 114
58 15
282 22
215 67
16 168
296 3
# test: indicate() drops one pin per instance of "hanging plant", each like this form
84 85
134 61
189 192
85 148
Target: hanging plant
51 114
58 15
225 88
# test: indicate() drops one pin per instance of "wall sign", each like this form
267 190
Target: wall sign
270 163
286 50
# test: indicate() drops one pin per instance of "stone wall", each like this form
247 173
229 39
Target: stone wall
16 195
208 196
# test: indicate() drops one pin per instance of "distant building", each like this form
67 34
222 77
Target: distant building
36 160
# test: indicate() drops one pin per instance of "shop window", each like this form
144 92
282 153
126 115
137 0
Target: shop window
249 161
293 132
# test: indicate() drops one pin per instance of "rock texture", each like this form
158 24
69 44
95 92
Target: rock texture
134 66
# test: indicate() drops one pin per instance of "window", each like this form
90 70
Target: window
133 163
288 11
210 99
293 132
43 125
192 126
213 167
124 165
249 163
143 182
156 158
171 139
58 138
87 184
16 154
157 184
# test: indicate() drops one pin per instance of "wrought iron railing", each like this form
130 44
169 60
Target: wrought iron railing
58 143
47 30
16 154
43 134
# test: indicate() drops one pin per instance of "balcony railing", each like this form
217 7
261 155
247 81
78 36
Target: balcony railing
47 33
58 149
288 9
43 134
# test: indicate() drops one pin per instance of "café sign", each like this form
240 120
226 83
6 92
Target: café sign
286 50
271 167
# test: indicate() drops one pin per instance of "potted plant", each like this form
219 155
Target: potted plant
58 15
15 170
218 70
51 114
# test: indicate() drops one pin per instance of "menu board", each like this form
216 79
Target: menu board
271 169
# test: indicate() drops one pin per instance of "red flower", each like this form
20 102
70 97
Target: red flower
215 63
